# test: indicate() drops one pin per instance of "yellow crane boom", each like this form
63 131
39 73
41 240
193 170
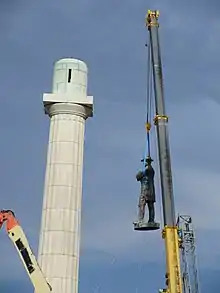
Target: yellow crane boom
170 231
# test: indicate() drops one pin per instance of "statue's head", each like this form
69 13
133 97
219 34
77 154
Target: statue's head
148 161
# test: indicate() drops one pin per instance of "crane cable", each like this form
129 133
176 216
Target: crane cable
148 102
150 105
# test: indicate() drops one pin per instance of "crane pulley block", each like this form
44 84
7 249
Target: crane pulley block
151 18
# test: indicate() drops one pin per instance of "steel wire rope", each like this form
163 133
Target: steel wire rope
148 117
150 106
157 177
147 149
149 97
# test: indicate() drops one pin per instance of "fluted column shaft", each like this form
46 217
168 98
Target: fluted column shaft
61 217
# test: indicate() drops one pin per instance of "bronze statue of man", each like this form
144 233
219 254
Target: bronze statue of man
147 196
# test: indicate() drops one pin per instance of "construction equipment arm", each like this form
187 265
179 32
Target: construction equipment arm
17 236
170 233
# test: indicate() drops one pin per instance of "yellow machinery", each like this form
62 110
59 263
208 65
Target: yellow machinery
170 231
17 236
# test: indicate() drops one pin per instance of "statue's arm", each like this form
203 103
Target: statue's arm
139 175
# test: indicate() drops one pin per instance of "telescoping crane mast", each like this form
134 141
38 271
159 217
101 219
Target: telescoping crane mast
17 236
170 231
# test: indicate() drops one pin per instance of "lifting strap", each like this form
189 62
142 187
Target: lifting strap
149 104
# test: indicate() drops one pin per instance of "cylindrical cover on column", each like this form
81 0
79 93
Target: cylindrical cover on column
70 76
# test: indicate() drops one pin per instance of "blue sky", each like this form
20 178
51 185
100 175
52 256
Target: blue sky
110 36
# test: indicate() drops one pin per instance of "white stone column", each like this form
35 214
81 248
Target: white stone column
59 247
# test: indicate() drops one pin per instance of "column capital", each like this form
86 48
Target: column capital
68 108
